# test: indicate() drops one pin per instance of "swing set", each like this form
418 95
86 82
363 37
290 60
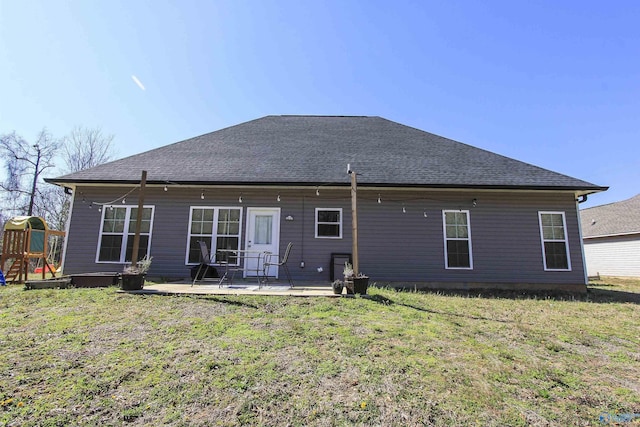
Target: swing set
26 238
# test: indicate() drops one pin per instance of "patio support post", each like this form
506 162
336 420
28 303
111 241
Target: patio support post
354 219
136 236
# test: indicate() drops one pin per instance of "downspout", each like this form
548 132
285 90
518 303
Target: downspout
67 227
302 236
584 260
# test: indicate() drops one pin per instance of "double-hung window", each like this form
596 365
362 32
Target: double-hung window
555 247
457 240
219 228
329 223
117 233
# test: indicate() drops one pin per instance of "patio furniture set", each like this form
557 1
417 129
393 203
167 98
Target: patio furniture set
264 261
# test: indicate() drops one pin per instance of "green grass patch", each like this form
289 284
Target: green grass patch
98 357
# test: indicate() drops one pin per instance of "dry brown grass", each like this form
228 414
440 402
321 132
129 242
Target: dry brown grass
96 357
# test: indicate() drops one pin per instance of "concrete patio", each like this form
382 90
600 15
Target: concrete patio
240 287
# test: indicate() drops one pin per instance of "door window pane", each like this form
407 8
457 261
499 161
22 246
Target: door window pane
263 226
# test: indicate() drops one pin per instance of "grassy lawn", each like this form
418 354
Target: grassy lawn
97 357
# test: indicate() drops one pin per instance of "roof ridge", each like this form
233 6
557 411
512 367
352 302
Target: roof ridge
319 115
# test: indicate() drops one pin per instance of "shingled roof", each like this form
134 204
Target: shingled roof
613 219
315 150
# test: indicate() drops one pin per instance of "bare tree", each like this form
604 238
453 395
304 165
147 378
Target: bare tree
24 164
53 205
85 148
3 219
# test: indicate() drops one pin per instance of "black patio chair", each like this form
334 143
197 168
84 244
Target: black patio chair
273 259
206 261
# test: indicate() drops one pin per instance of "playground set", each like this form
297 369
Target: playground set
28 238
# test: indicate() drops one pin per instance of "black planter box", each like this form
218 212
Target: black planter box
94 280
61 283
359 285
132 282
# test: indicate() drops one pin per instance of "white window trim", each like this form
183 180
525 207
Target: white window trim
127 219
445 239
216 211
315 220
565 240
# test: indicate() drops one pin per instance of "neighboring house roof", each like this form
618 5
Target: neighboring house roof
315 150
613 219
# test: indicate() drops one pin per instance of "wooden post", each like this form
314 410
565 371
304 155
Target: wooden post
45 249
25 255
136 236
354 222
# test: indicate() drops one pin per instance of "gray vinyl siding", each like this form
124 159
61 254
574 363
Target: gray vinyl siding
613 256
505 239
393 246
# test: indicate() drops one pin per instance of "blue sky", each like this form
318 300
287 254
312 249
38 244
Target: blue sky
555 84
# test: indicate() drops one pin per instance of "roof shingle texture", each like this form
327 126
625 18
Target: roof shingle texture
612 219
317 149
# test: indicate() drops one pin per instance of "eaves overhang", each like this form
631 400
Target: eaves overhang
577 190
605 236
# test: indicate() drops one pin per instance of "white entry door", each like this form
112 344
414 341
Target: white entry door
263 235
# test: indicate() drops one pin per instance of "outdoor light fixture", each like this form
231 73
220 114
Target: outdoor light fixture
202 195
165 188
124 201
404 210
474 202
425 214
278 198
379 199
317 191
240 198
